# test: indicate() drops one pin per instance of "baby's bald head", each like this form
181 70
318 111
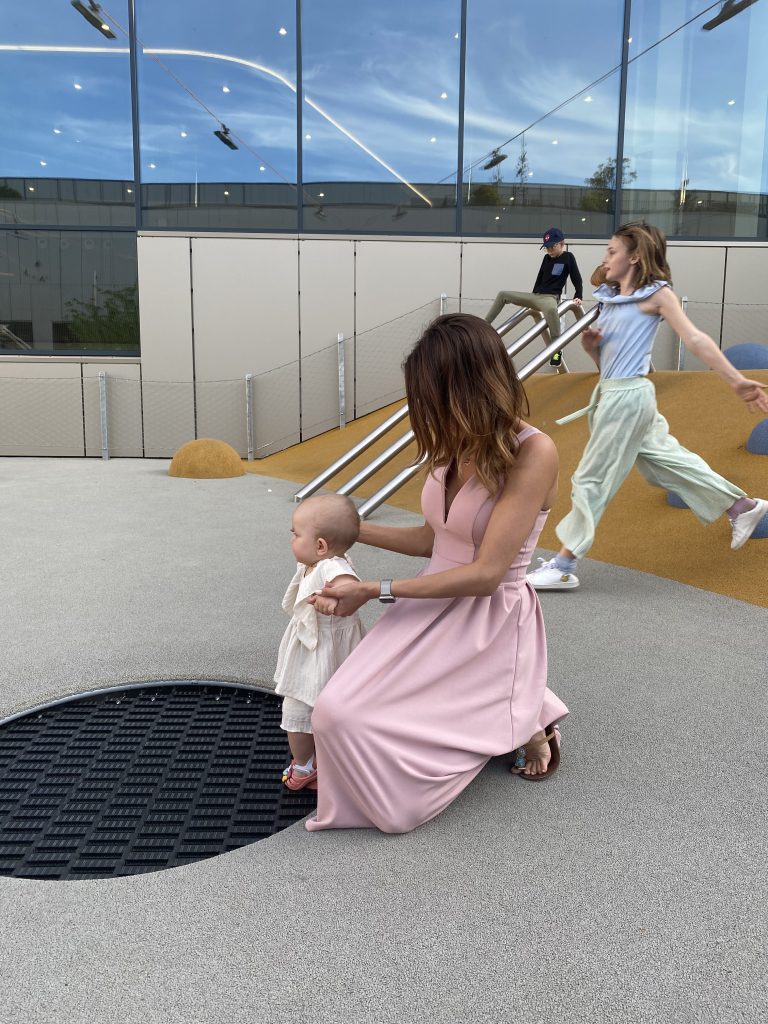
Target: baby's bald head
334 518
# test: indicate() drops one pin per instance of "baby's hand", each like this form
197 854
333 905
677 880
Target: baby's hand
324 605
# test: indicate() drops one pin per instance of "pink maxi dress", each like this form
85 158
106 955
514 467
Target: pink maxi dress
437 687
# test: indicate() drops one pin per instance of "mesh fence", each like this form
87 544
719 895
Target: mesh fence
379 353
42 416
61 415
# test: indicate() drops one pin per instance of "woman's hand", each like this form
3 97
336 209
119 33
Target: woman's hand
324 605
577 302
591 338
348 594
753 393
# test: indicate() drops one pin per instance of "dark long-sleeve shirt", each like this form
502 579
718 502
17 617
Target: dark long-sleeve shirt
554 273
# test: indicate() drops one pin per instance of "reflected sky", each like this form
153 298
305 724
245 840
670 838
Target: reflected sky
382 85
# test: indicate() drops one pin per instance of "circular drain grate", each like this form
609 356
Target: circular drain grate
140 779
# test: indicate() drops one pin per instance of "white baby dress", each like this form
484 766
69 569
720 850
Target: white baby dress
314 645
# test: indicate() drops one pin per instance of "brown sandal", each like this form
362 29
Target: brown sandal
532 750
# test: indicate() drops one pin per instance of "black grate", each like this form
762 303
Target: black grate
142 779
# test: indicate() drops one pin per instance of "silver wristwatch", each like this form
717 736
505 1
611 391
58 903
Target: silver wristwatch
385 592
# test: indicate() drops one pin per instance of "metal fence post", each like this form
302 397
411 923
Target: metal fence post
249 413
342 383
680 345
103 414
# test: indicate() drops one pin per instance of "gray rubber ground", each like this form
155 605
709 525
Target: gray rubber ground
630 887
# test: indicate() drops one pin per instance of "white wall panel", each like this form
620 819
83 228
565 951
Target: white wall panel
744 319
165 316
246 320
491 267
327 277
398 286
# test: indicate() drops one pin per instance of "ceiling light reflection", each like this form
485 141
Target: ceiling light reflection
175 52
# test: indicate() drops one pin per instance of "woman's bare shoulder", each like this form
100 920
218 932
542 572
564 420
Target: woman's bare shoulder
536 443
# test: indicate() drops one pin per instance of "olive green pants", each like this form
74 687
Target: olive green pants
546 304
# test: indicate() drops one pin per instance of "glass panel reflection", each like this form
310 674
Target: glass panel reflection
68 292
696 118
235 75
380 115
541 116
65 120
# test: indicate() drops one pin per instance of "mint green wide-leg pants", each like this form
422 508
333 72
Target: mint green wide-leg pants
628 430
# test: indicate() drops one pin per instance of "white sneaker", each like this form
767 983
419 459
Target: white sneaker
744 526
549 577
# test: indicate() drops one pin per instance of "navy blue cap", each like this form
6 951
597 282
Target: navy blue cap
552 237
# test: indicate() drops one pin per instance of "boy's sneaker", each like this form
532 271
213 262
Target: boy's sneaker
556 359
549 577
744 526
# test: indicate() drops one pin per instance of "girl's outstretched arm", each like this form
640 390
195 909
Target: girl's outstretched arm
704 348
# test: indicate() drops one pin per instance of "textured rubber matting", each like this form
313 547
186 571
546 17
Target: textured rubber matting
138 780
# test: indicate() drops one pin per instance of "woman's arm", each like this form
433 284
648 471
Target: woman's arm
405 540
529 484
704 348
590 342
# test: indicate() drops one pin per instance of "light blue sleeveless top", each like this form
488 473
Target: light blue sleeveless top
628 333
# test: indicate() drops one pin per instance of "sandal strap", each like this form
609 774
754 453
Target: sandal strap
539 744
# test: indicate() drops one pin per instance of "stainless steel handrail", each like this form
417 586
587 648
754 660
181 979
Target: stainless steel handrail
372 503
378 432
344 460
375 464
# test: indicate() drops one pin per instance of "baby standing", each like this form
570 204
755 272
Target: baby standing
314 646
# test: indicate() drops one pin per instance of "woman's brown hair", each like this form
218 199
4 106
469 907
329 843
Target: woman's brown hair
464 397
649 244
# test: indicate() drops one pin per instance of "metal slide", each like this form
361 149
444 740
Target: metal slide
372 503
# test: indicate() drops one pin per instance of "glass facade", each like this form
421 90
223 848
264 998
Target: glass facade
696 123
478 118
68 292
